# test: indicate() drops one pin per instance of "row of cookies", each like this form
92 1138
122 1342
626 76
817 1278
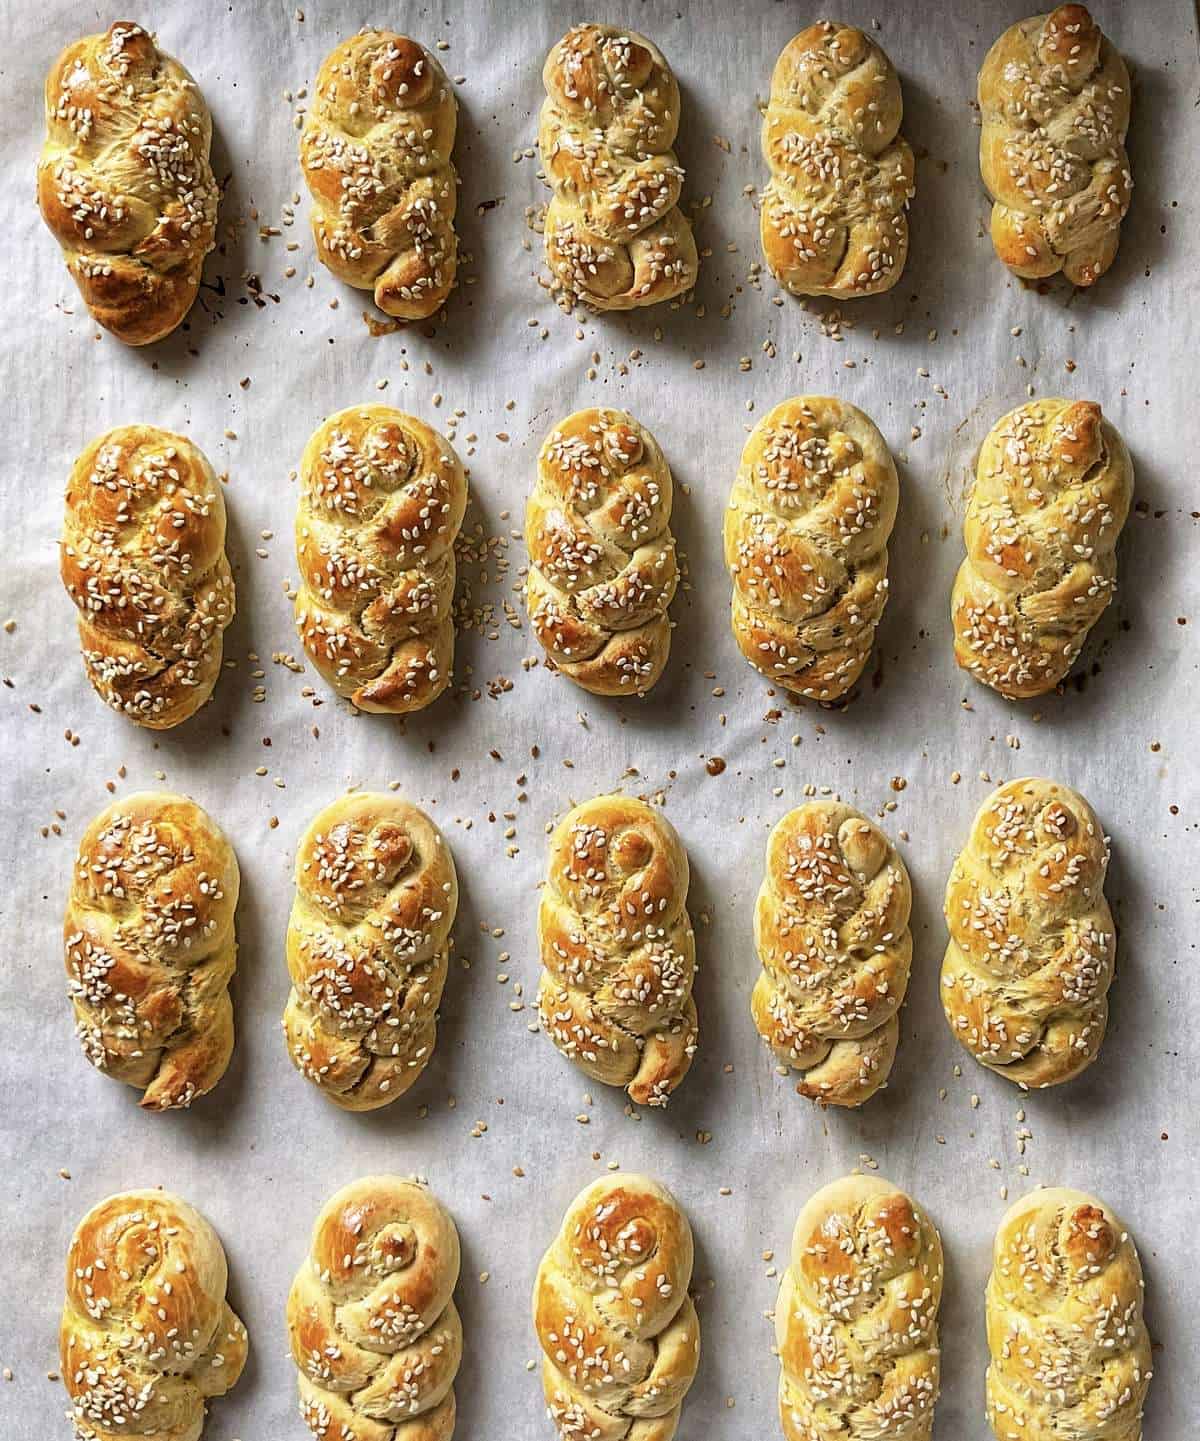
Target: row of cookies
148 1336
126 187
151 947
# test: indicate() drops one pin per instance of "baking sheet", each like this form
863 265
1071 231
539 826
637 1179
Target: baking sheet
264 358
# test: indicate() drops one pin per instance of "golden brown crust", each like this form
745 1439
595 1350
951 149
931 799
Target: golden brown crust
602 567
833 218
382 500
147 1335
856 1318
617 948
142 556
618 1330
375 151
1051 496
1026 975
806 533
615 235
1070 1351
1054 97
150 947
368 948
124 180
831 927
373 1328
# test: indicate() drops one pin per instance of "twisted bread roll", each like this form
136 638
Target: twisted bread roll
806 534
856 1318
124 181
368 947
615 236
382 500
371 1317
1026 975
1051 496
143 558
619 1333
150 947
831 928
1070 1352
375 151
833 214
147 1335
602 568
617 946
1054 97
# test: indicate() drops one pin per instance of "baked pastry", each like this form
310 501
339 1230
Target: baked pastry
832 216
1054 99
147 1335
806 534
1026 975
368 946
375 151
617 948
124 180
382 499
1051 496
150 947
619 1333
831 928
602 566
856 1318
615 235
371 1318
1070 1352
143 558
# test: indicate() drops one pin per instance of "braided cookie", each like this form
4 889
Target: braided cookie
833 216
831 928
382 500
1070 1351
602 568
1026 975
368 947
619 1333
143 557
806 533
150 947
375 151
615 236
371 1318
1054 97
147 1335
124 181
1052 493
618 950
856 1318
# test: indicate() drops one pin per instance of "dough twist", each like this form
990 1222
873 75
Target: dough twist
1026 975
619 1333
1054 97
615 236
124 180
375 151
831 928
833 216
381 503
602 567
618 950
368 947
1070 1351
371 1317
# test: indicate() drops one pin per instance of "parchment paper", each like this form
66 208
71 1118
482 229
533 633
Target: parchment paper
264 357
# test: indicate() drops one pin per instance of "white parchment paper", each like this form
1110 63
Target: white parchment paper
264 357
